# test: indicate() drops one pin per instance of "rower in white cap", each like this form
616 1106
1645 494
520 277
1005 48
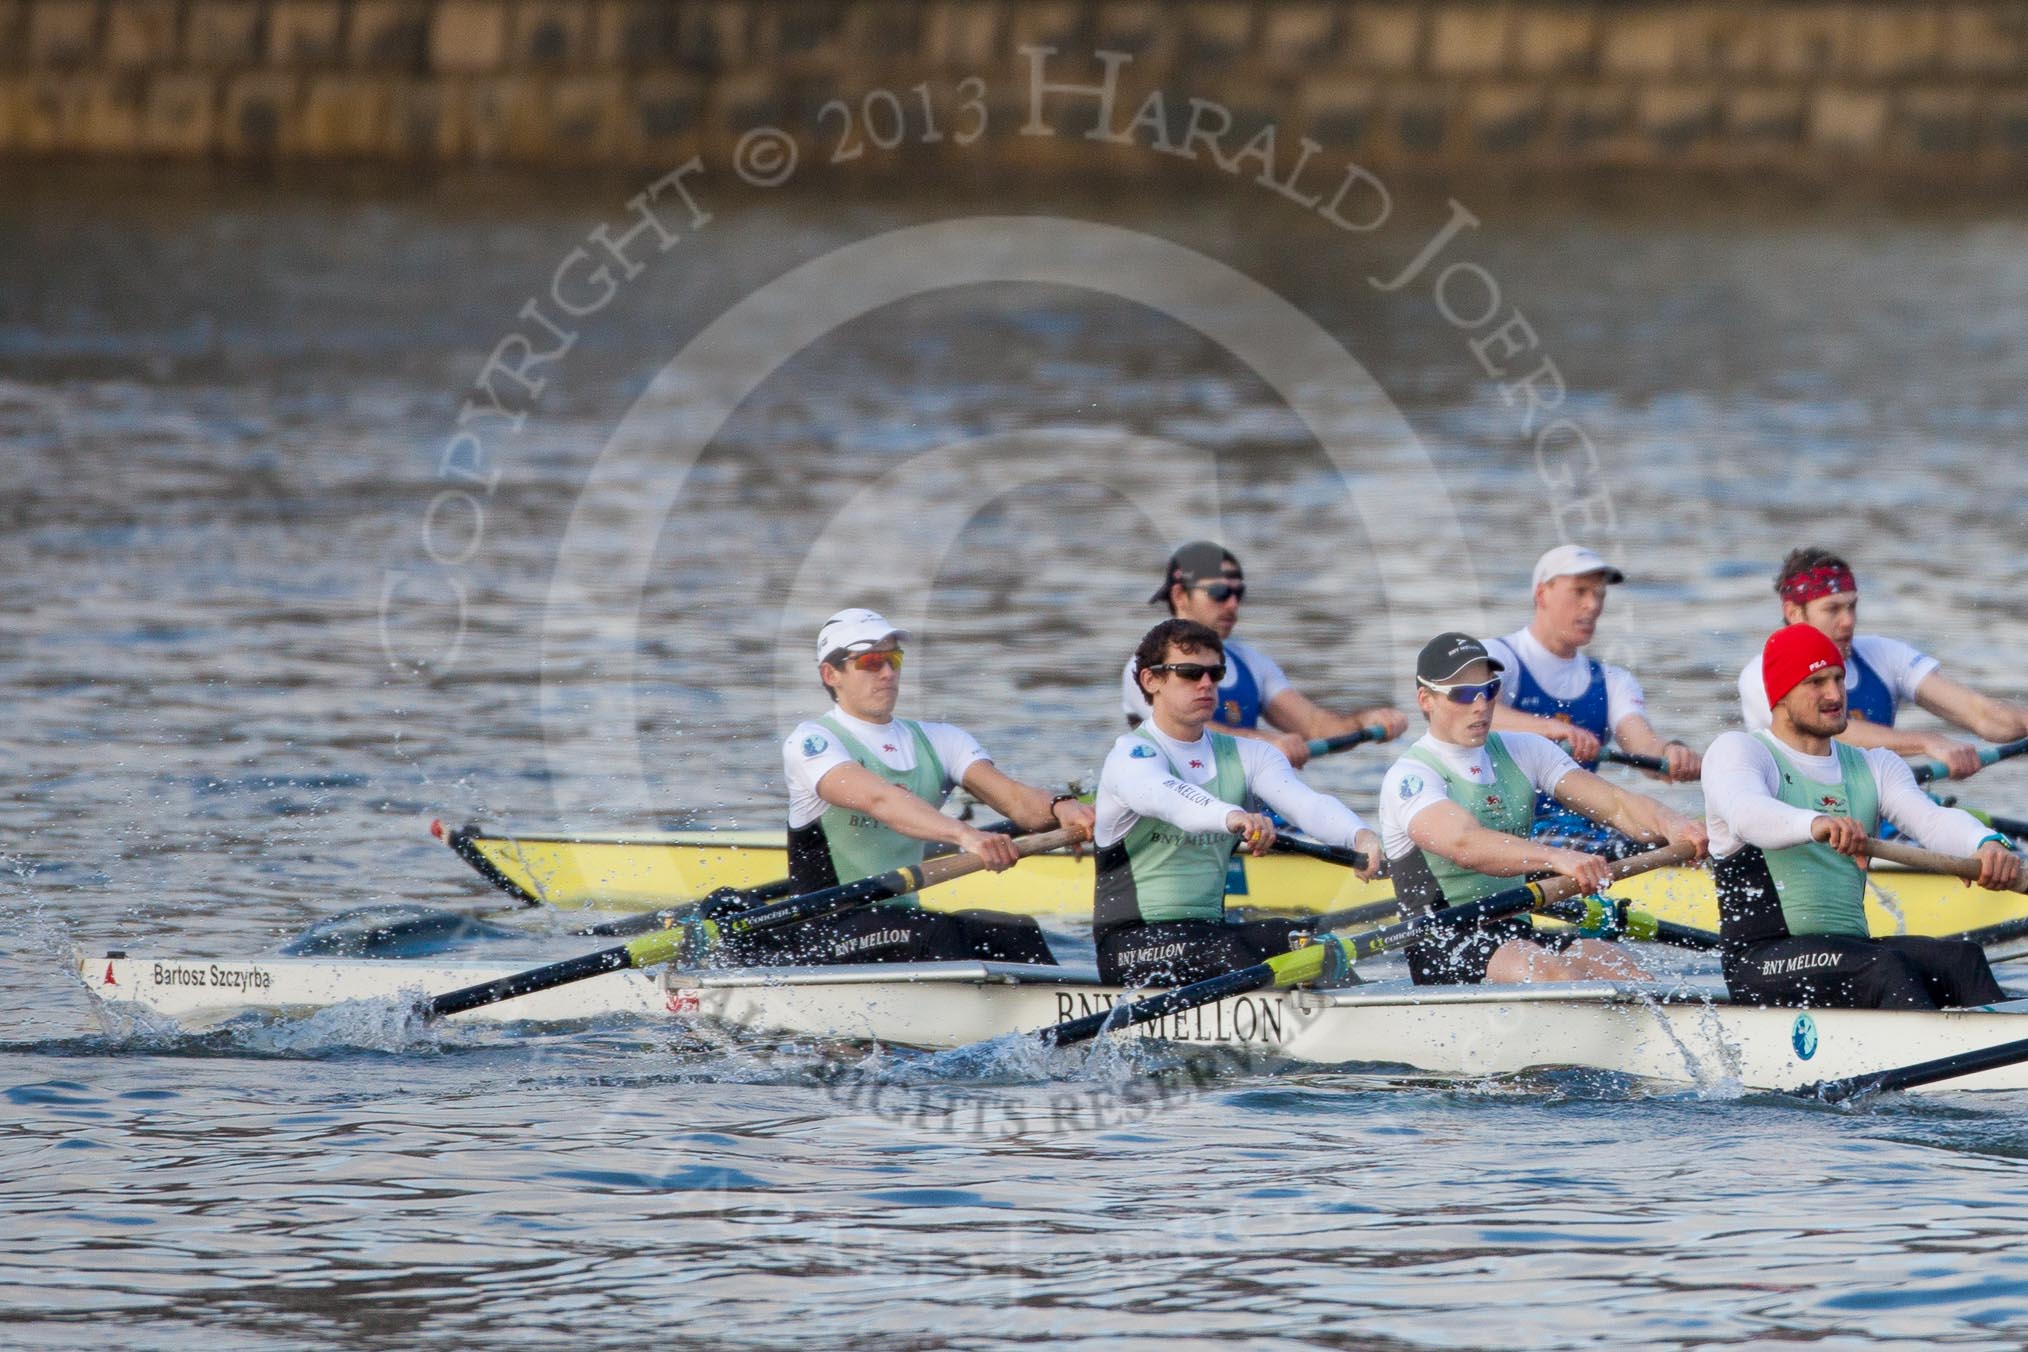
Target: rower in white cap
865 793
1555 690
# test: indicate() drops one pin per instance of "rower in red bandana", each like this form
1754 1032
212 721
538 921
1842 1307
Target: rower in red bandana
1817 588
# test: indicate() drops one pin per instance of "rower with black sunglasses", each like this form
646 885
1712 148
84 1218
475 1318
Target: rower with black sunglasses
865 793
1174 801
1455 816
1204 583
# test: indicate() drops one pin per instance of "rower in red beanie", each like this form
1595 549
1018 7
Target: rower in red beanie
1790 808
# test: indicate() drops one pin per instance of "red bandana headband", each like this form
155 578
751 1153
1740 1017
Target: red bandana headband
1805 587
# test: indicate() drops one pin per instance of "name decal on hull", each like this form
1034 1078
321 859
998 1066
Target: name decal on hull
213 976
1247 1019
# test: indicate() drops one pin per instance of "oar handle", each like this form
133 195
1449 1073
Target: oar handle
816 905
1928 770
1312 961
1930 861
1635 759
1324 746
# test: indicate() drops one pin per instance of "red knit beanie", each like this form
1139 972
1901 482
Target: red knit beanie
1792 656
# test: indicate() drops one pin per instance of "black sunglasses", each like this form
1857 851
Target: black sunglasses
1219 591
1191 672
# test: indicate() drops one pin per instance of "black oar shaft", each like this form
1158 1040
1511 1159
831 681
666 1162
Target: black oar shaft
686 941
1310 849
1923 1072
1635 759
1208 991
527 983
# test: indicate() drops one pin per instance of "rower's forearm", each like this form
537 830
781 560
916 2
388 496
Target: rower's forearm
1638 736
902 811
1865 735
1999 720
1509 719
1496 854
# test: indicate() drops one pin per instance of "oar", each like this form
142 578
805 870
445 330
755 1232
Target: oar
1943 1067
1310 849
724 901
1353 859
1332 953
1639 762
1922 1072
1586 911
719 901
1925 771
1930 861
693 939
1324 746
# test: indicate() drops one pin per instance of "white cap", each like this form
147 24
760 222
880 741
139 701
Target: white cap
855 631
1573 561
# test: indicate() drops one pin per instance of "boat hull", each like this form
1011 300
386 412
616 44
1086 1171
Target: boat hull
1685 1034
645 872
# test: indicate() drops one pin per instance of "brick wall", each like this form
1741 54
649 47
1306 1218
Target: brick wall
1922 85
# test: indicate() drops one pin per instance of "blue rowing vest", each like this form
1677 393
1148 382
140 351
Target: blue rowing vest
1874 702
1587 711
1239 700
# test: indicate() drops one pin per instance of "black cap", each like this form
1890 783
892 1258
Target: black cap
1197 560
1448 654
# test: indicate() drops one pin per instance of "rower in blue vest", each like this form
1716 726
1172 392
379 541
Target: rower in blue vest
1882 674
865 796
1204 583
1555 690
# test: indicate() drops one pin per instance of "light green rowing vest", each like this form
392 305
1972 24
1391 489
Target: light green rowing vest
860 846
1507 804
1169 873
1820 890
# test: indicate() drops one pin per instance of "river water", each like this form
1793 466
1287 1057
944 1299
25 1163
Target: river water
266 615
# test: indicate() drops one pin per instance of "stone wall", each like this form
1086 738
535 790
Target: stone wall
1920 85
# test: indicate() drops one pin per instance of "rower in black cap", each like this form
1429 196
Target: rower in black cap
1455 815
1204 582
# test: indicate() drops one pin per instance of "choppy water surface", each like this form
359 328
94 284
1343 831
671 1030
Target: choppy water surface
224 408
